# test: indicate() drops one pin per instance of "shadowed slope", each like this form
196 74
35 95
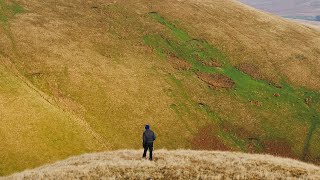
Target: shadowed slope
180 164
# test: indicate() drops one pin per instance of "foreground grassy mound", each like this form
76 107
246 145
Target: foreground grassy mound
85 76
179 164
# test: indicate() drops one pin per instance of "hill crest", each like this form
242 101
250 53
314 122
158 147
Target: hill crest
178 164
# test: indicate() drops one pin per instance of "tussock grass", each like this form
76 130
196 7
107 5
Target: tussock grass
178 164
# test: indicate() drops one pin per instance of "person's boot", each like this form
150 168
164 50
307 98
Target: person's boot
150 158
144 155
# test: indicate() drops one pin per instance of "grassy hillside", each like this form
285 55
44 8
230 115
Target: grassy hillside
86 76
178 164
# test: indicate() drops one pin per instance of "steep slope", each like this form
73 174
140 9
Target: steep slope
180 164
33 130
94 72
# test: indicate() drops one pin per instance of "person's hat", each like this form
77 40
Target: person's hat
147 126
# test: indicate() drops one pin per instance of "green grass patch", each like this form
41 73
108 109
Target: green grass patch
213 115
230 138
180 34
233 140
9 10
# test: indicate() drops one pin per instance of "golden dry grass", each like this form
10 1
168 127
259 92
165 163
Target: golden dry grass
178 164
31 125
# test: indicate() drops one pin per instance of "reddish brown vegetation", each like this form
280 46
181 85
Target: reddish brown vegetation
256 103
206 139
252 139
278 147
237 131
276 95
216 80
253 145
179 63
308 101
250 69
212 63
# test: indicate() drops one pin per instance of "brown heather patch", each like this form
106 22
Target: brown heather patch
206 139
252 138
308 101
216 80
238 131
278 147
253 146
212 63
179 64
256 103
276 95
250 69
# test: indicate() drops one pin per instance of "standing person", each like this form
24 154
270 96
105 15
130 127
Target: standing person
148 137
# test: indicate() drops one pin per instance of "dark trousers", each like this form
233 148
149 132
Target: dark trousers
146 147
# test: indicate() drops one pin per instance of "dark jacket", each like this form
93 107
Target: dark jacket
148 136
